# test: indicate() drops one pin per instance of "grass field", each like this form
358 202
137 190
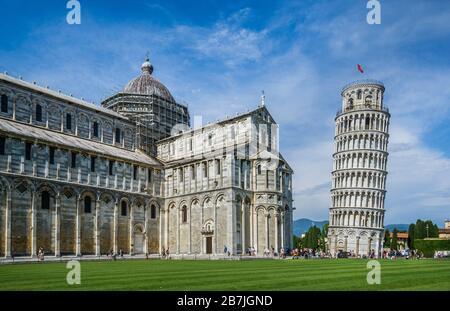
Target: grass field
345 274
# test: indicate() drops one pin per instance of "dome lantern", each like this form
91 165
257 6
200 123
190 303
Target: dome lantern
147 67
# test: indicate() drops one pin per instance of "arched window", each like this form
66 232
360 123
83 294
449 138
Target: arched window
259 169
124 208
69 121
350 103
153 212
45 200
4 101
184 213
359 94
118 135
369 100
38 113
95 129
87 205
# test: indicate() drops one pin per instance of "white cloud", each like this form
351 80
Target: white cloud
220 70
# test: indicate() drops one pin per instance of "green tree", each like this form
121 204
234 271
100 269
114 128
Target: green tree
411 230
323 236
425 229
394 243
387 238
419 230
296 241
312 238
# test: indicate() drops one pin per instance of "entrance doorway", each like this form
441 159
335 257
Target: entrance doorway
209 244
138 241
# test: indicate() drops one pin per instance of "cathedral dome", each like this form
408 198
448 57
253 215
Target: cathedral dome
145 84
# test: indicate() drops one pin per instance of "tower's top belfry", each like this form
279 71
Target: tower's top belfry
362 94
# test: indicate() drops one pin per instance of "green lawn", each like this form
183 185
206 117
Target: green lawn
345 274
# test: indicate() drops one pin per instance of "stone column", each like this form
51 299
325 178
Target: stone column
146 230
178 229
282 230
345 243
243 227
215 230
97 227
369 246
57 225
160 212
116 227
190 229
8 223
166 228
266 214
46 117
377 247
130 228
250 214
255 231
76 123
289 226
78 228
335 244
33 224
357 246
277 215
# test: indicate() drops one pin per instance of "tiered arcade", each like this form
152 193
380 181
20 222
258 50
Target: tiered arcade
359 171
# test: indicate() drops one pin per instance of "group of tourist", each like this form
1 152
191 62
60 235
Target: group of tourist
407 254
40 254
251 251
165 254
111 254
306 253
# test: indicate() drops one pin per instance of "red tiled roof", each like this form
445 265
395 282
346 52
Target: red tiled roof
400 235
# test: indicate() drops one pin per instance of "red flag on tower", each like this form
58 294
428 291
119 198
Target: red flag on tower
360 69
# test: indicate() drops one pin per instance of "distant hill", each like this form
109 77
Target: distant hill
303 224
400 227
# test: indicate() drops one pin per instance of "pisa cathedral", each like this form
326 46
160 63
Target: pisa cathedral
359 171
79 179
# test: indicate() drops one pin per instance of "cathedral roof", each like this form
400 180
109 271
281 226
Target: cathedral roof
62 139
60 96
146 84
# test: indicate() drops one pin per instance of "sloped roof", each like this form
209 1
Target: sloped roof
61 96
61 139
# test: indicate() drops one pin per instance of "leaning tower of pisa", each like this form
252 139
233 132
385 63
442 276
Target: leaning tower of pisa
359 171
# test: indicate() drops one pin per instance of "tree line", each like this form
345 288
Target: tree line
420 230
315 237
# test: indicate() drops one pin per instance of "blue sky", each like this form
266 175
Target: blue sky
217 56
